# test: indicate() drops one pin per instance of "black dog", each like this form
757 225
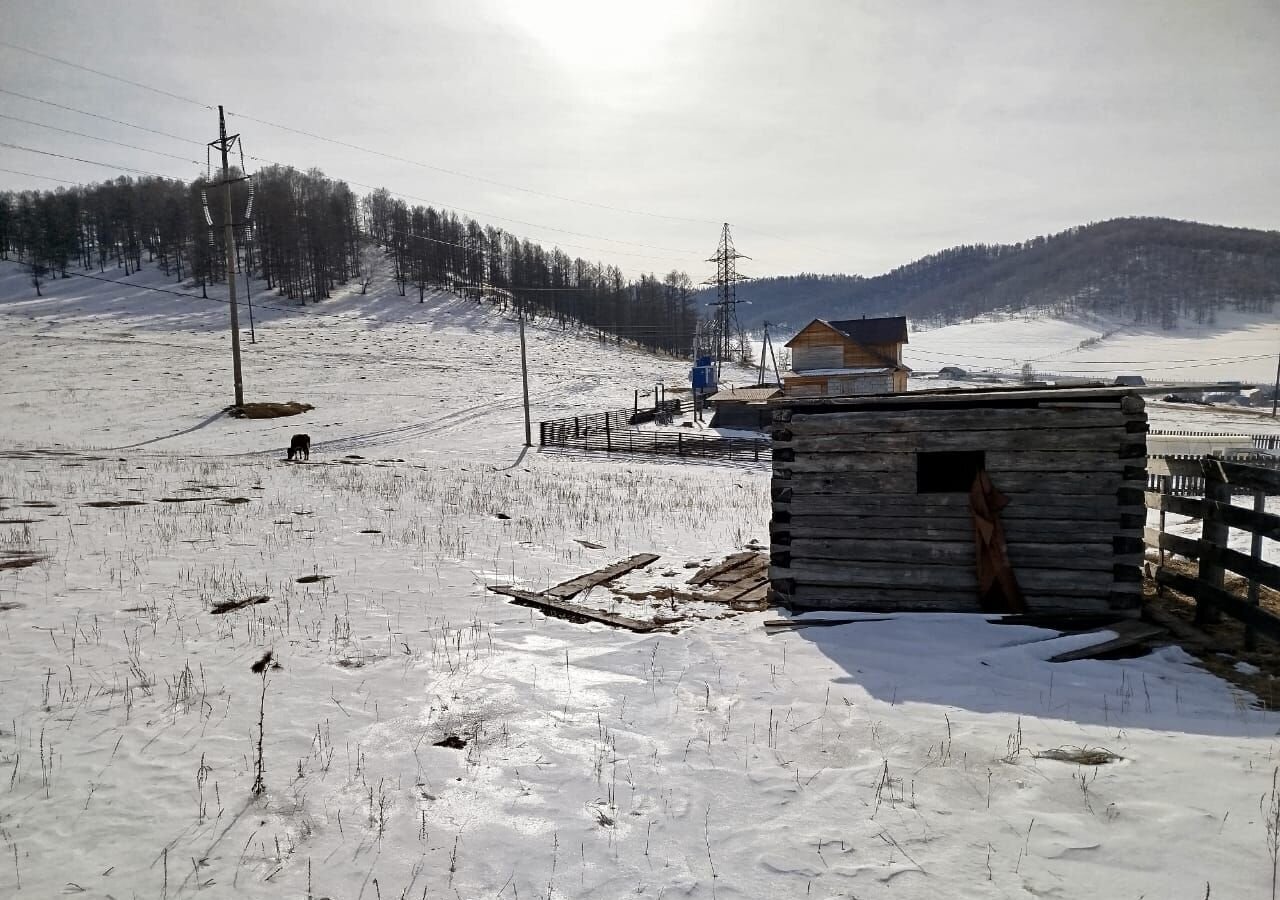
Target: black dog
300 446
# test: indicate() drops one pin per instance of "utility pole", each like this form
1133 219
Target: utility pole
224 143
524 377
768 345
1275 394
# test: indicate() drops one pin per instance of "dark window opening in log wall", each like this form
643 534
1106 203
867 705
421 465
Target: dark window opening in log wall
948 472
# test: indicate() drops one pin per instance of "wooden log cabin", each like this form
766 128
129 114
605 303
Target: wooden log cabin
847 357
872 507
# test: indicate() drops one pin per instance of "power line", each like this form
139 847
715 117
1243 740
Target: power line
447 171
96 138
33 175
689 254
459 174
85 112
92 162
136 84
465 247
942 354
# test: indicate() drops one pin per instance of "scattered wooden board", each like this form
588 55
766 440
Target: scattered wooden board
1183 630
1128 634
600 576
739 588
705 575
754 600
221 607
793 624
751 568
553 606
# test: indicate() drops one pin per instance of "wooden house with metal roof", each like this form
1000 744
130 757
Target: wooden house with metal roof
847 357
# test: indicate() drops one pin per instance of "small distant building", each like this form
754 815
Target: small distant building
746 407
952 372
1130 381
847 358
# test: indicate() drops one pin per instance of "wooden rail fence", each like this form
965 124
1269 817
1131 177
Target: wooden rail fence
613 432
1222 478
1191 482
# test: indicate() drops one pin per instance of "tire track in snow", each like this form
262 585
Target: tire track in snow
448 421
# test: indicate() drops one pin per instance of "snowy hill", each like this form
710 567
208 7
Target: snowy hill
381 370
1154 272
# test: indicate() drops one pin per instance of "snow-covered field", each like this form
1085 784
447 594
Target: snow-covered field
892 757
1236 348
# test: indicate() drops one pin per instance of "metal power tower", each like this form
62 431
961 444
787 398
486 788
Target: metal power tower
726 333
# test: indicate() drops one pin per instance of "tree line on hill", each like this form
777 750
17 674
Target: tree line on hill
305 234
1156 272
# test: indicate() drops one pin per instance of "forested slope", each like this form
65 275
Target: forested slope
305 234
1149 271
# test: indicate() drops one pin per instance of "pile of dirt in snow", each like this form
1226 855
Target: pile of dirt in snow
268 410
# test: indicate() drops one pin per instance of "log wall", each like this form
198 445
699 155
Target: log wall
849 530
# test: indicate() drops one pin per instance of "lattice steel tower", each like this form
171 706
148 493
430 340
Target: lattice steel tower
727 339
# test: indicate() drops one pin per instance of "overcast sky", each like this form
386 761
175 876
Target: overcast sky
834 136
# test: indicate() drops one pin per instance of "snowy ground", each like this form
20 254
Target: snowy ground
884 758
1236 348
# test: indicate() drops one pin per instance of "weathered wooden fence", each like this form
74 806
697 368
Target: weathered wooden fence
612 432
1190 482
1221 478
1260 441
574 428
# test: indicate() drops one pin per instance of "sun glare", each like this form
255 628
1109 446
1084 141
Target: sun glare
602 34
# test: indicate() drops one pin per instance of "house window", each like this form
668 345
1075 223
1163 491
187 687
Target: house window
948 472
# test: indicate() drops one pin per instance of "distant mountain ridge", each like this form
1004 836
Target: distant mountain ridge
1147 270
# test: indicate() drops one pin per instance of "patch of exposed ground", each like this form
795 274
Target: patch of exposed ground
1257 670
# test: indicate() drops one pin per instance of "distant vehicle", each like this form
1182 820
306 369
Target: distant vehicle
1130 381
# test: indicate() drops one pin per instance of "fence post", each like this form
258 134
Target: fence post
575 428
1255 551
1165 488
1215 535
608 441
680 443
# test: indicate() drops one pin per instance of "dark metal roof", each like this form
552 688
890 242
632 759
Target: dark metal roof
891 330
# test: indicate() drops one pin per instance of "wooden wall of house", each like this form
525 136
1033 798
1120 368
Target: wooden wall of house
850 531
801 385
817 336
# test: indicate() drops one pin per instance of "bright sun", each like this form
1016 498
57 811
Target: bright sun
603 33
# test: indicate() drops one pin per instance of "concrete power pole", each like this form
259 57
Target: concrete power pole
524 378
1275 395
224 143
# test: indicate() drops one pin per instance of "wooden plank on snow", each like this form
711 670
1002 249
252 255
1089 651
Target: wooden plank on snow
553 606
740 587
730 562
600 576
1127 635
